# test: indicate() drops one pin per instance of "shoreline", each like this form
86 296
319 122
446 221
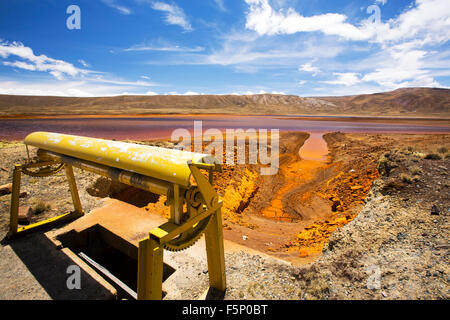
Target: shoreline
231 115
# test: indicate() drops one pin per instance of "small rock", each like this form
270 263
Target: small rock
434 210
205 271
4 169
5 189
244 238
23 194
400 236
25 213
383 294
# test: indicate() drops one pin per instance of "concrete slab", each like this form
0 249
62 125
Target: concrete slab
122 225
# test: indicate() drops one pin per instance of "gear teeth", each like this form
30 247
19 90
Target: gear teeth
190 242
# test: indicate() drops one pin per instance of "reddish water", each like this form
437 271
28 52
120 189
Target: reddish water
161 126
315 148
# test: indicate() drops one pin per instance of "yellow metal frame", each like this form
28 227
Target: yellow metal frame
151 249
201 200
14 229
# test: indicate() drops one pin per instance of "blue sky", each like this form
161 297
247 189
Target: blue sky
147 47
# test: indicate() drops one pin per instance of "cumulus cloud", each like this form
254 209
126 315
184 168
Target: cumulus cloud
428 19
404 42
173 14
32 62
263 19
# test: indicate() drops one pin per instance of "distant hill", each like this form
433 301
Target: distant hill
411 102
407 102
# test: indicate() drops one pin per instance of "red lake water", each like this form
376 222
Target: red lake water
162 126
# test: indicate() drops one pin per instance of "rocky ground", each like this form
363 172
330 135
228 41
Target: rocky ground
396 247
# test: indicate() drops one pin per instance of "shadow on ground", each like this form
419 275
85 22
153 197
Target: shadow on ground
49 266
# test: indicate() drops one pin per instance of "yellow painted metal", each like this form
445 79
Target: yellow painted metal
73 189
150 270
161 163
14 229
215 252
133 179
206 189
60 218
15 194
162 171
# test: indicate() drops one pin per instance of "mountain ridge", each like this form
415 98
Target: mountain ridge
406 102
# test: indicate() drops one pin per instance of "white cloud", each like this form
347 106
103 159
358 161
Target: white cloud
74 88
220 4
403 66
84 63
249 53
346 79
114 5
57 68
191 93
400 47
308 67
263 19
167 48
173 14
428 19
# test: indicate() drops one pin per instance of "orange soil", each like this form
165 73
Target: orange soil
346 191
295 173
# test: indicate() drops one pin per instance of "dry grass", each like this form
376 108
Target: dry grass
40 206
416 170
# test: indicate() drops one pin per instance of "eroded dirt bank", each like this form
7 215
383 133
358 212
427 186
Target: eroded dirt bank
394 248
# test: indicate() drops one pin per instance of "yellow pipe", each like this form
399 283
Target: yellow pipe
132 179
160 163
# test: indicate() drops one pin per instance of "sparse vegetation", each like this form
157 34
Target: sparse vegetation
418 154
383 166
442 150
415 170
40 206
406 178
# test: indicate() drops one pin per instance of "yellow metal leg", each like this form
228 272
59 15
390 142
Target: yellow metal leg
73 189
150 270
14 211
215 252
14 229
